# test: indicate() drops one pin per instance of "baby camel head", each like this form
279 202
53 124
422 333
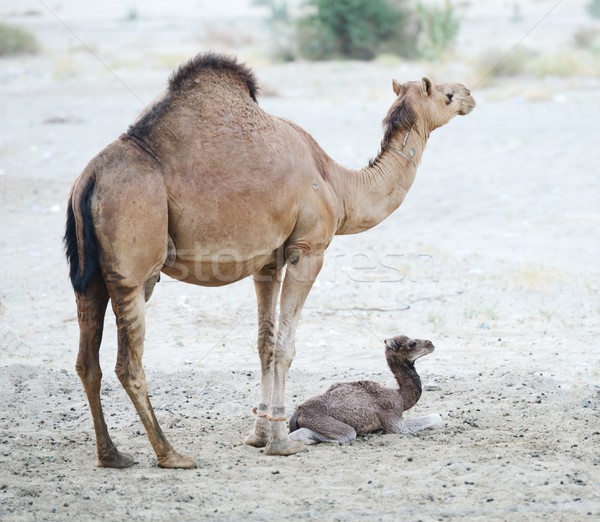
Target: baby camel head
428 104
402 348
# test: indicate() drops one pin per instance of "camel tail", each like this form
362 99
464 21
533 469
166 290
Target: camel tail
293 424
80 240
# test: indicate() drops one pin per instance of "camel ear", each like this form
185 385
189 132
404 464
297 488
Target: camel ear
397 86
427 85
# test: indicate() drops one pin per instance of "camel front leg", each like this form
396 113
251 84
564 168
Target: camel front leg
414 425
298 281
267 284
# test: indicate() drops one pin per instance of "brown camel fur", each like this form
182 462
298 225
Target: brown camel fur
348 409
208 188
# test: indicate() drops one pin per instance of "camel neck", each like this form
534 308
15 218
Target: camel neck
371 194
409 382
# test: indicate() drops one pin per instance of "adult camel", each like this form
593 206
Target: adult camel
208 188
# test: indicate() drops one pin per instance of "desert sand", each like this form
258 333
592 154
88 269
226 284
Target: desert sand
493 256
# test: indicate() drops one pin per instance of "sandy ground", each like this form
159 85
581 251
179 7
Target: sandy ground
493 256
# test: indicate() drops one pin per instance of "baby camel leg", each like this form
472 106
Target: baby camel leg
416 424
296 286
267 284
323 429
91 308
128 305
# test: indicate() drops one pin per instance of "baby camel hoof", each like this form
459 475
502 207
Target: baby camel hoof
114 459
284 447
177 461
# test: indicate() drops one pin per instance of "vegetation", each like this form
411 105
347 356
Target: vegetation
132 13
586 38
498 64
16 40
357 29
494 64
361 29
280 25
593 8
438 29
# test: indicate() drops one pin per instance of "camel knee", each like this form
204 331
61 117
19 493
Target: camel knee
123 374
85 371
89 375
349 436
87 365
133 381
285 355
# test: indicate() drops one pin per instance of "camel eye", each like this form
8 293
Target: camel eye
450 96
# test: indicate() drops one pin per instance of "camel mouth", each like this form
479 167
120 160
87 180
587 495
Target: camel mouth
467 107
466 110
428 348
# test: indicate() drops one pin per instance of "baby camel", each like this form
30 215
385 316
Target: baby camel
349 409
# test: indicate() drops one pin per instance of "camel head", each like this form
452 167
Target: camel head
407 349
426 104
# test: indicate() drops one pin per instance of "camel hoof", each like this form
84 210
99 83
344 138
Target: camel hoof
257 440
284 447
115 459
177 461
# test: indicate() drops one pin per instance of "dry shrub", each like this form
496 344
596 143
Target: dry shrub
586 38
15 40
566 64
494 63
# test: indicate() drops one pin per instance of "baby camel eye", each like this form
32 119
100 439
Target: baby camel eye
450 96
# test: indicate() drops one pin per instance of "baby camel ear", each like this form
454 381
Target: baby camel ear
427 85
397 86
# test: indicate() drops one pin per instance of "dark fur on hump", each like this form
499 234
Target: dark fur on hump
185 78
185 75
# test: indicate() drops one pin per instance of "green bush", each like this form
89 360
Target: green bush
15 40
593 8
281 29
356 29
438 29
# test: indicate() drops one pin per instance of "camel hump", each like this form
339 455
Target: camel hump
187 75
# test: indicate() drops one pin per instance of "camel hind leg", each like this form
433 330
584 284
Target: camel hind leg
128 305
322 428
91 308
130 216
